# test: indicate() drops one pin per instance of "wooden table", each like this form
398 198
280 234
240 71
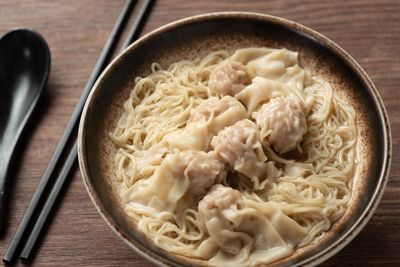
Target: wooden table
76 31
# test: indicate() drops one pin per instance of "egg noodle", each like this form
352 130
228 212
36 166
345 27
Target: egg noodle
224 206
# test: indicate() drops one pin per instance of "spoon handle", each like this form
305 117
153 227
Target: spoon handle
2 210
5 160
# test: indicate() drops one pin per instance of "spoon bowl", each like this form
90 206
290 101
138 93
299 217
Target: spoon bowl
24 69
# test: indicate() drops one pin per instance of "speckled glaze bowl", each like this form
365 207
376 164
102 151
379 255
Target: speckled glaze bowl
194 37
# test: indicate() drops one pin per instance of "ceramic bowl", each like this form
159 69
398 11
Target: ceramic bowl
194 37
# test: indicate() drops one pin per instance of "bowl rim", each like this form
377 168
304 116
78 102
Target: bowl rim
373 203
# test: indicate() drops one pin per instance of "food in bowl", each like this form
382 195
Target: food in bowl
237 158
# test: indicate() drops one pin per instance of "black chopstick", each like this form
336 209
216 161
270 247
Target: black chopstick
43 184
138 23
30 244
55 191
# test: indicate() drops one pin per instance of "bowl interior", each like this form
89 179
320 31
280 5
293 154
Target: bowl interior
195 37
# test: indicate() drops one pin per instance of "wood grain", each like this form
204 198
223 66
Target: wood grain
76 31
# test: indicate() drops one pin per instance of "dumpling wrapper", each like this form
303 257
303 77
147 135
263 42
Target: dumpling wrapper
266 62
282 122
205 121
260 91
240 148
228 78
218 113
297 79
176 184
242 232
195 136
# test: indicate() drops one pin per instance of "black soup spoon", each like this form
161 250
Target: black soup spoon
24 69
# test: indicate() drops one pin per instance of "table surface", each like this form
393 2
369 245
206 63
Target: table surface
76 32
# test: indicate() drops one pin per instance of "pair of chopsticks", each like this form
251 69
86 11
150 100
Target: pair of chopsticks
69 134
